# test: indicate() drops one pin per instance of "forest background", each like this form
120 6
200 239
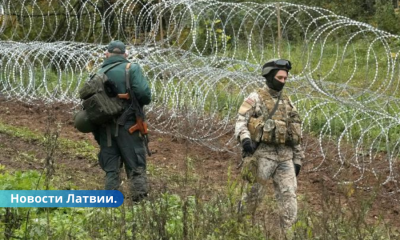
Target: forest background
382 14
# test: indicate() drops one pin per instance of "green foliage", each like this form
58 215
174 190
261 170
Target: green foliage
342 217
379 13
19 25
169 216
19 180
82 149
385 17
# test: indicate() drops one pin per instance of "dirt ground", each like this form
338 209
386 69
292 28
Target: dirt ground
177 159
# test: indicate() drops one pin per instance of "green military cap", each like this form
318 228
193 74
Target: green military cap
116 47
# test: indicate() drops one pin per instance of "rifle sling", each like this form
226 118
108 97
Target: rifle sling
128 87
134 101
271 113
275 107
129 90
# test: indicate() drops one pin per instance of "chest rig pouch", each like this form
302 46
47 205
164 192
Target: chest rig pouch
278 124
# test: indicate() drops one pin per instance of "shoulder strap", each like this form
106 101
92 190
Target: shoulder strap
263 92
105 69
132 96
275 107
127 85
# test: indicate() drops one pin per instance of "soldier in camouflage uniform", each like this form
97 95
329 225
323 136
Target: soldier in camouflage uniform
269 130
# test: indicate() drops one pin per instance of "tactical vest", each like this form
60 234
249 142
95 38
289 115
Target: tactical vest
284 127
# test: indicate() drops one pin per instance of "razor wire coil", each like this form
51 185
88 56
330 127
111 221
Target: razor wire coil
203 57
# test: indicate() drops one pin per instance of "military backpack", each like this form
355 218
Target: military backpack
100 105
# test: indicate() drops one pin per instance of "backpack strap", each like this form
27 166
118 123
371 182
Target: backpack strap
128 66
105 69
108 127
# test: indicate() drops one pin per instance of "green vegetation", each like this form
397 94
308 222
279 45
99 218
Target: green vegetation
194 212
82 148
25 21
197 213
165 215
378 13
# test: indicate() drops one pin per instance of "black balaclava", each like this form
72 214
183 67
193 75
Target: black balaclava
272 82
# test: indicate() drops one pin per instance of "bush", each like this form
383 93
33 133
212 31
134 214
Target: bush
385 17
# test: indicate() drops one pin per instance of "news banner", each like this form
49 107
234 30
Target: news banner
61 198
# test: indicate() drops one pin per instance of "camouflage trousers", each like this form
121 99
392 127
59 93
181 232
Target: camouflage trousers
127 149
285 185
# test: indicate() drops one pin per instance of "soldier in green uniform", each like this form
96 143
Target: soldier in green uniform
269 130
116 143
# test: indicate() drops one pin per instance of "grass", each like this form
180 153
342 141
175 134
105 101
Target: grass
186 209
81 148
165 215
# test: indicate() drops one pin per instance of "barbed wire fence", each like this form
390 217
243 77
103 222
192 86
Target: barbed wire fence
203 57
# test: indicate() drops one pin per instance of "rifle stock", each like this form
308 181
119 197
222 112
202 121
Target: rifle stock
123 96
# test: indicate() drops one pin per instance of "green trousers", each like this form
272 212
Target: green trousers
128 148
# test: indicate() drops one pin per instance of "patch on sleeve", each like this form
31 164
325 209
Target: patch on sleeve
245 107
250 101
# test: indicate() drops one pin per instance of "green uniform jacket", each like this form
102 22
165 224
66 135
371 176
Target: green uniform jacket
138 81
124 146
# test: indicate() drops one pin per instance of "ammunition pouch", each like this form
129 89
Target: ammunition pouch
294 129
268 131
282 125
255 127
294 134
280 132
275 132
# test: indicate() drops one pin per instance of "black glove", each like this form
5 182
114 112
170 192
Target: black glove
247 146
297 168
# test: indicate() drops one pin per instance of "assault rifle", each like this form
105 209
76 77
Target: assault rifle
134 109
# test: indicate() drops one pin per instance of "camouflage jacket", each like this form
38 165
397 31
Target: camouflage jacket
256 105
